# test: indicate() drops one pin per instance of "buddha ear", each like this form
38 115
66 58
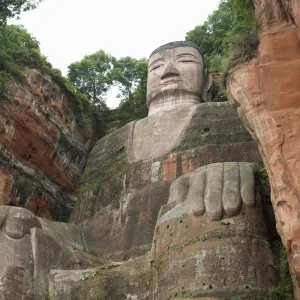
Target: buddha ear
207 90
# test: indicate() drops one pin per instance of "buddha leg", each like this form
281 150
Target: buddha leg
213 242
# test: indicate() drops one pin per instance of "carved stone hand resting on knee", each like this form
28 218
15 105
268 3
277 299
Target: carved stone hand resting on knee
31 247
216 189
206 235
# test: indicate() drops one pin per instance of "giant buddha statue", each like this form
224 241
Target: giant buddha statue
169 208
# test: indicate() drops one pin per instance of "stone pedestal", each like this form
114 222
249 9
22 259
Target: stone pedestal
194 257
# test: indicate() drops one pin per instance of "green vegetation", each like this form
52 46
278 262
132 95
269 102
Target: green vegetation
96 73
229 34
91 75
131 76
89 79
12 8
18 51
284 291
262 173
128 73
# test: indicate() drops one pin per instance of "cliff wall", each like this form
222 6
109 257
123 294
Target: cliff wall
43 150
266 91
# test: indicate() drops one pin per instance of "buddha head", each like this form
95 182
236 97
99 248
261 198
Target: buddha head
177 77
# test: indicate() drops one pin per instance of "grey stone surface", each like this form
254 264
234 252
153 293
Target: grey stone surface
216 189
177 78
224 252
156 135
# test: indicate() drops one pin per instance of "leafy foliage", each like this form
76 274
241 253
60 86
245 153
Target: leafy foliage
19 50
128 73
131 76
5 89
91 75
135 107
229 33
97 72
12 8
284 290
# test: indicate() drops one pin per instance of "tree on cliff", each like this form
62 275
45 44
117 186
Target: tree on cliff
95 74
91 75
229 33
130 75
135 107
18 49
12 8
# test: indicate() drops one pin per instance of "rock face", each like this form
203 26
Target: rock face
212 214
266 91
123 209
42 150
119 201
170 208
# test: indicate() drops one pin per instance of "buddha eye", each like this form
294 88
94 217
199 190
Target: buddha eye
156 67
188 61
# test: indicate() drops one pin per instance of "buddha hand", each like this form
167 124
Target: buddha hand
18 221
216 189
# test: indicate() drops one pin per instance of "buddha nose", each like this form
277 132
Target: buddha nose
170 71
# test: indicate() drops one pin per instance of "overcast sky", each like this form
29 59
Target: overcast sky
70 29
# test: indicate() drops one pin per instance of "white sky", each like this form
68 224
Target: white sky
70 29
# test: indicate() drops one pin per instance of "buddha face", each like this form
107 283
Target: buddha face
175 77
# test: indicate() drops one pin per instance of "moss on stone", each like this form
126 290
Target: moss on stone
263 175
213 123
112 167
284 290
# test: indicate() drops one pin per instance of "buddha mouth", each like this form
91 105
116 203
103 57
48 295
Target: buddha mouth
169 81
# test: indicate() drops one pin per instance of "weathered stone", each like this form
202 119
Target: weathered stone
216 189
39 136
30 248
115 281
176 77
162 135
266 91
127 182
124 193
196 257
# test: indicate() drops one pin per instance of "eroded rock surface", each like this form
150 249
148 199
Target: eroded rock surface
266 91
120 200
155 219
42 149
207 234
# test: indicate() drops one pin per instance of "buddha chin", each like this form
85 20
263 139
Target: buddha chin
171 95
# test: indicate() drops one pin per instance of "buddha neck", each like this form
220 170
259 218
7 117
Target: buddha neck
168 103
158 133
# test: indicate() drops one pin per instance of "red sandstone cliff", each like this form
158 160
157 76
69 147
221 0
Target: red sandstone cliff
267 92
42 150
